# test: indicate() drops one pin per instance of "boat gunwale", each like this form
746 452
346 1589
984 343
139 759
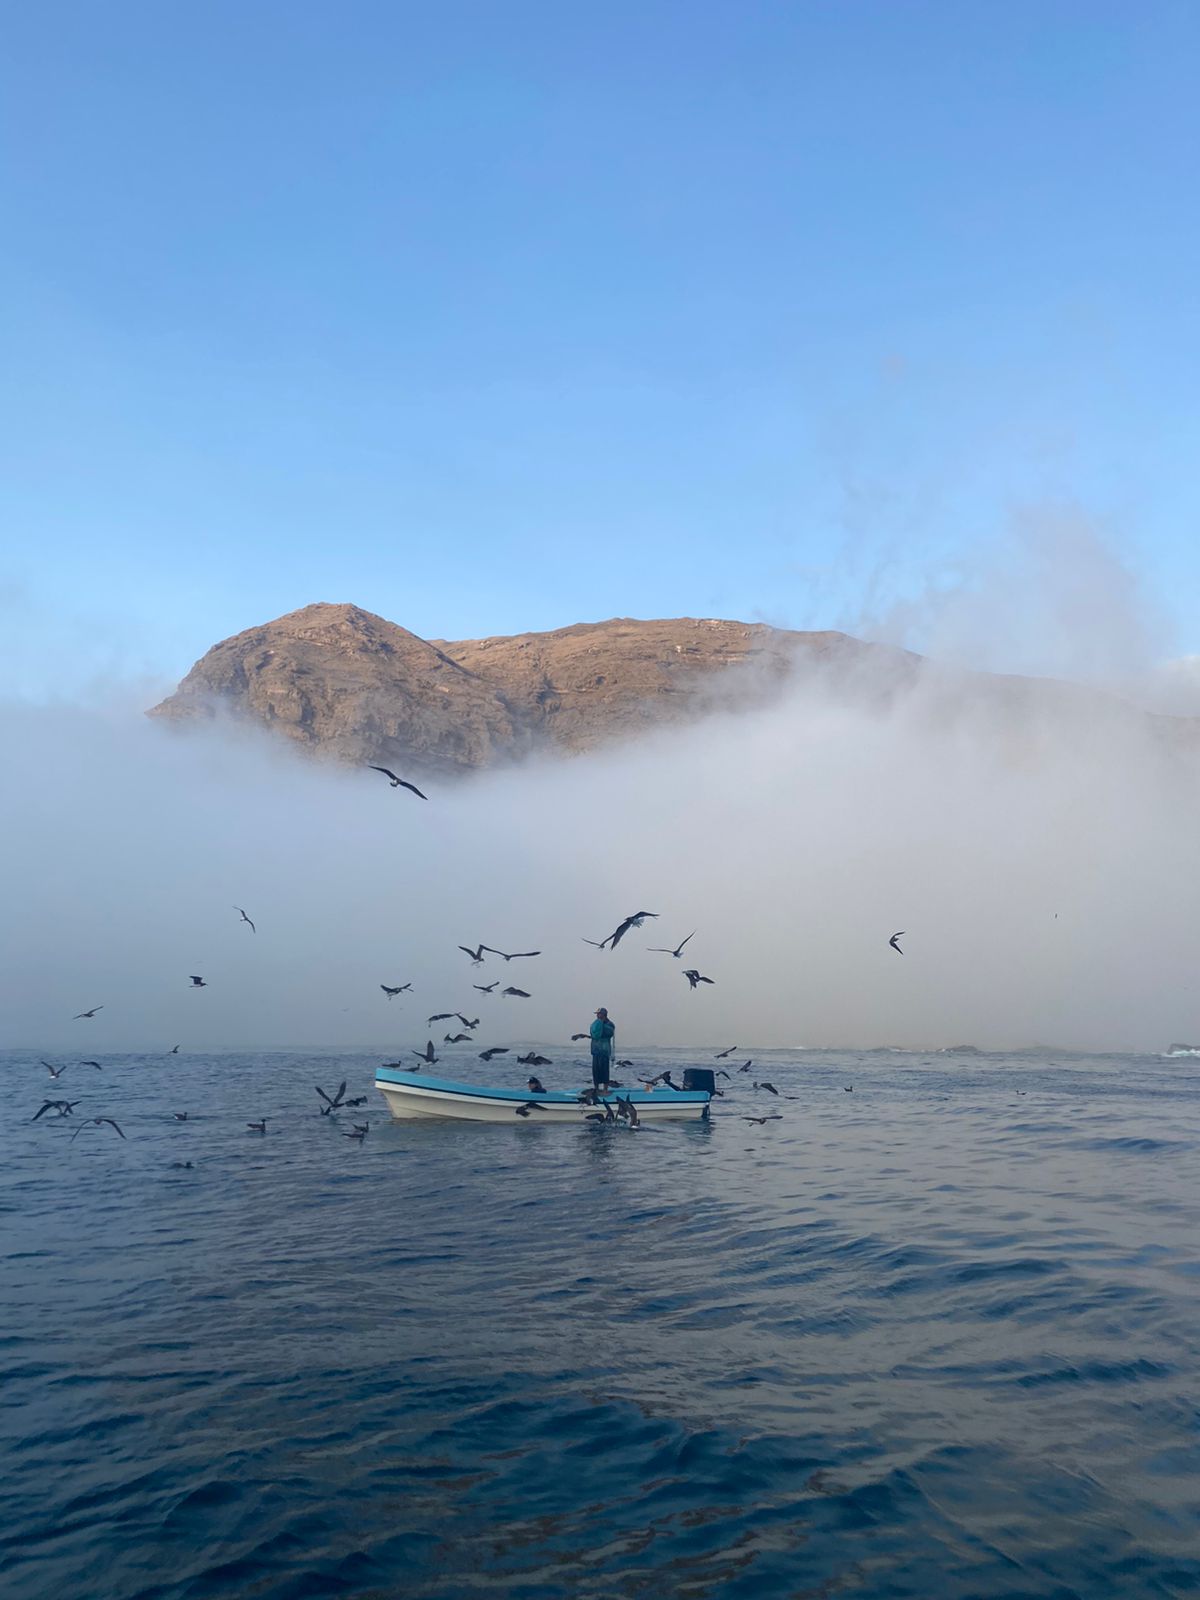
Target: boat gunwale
392 1078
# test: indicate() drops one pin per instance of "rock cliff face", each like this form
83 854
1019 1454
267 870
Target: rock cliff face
348 684
344 683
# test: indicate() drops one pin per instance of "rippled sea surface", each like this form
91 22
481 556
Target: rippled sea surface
937 1337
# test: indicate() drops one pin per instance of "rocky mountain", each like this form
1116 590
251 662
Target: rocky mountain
344 683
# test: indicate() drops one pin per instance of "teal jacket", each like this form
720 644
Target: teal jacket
602 1031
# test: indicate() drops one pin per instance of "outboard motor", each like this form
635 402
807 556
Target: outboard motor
701 1078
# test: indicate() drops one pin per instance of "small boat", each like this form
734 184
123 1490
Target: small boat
411 1094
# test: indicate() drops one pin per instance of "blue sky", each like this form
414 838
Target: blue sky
492 317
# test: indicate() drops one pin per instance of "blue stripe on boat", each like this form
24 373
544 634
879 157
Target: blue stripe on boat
559 1097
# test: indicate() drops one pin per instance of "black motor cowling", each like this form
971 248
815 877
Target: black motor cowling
702 1078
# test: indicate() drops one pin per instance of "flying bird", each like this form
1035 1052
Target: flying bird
693 977
392 993
575 1036
475 955
635 921
517 994
494 1050
894 945
400 783
466 1021
533 1059
334 1104
661 950
725 1053
441 1016
456 1038
720 1073
95 1064
95 1122
359 1133
55 1072
257 1127
486 988
63 1107
359 1100
769 1087
517 955
90 1013
197 982
174 1050
427 1054
747 1065
245 918
599 944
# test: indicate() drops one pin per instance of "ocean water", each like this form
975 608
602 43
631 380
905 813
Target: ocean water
939 1337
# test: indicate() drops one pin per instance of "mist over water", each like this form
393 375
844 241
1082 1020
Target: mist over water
1034 846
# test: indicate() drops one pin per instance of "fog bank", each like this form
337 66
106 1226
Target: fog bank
1038 854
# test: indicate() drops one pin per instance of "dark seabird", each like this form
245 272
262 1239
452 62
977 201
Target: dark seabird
516 955
245 918
180 1116
720 1073
475 955
517 994
360 1132
776 1116
486 988
533 1059
55 1072
848 1089
456 1038
575 1036
257 1127
334 1104
359 1100
769 1087
595 1116
427 1054
400 783
441 1016
90 1013
597 944
197 982
747 1066
721 1056
63 1107
630 1111
494 1050
661 950
693 977
392 993
182 1166
174 1050
894 945
95 1064
467 1021
635 921
95 1122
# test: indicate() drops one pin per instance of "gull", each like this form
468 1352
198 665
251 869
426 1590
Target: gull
361 1130
427 1054
533 1059
95 1064
493 1050
776 1116
725 1053
629 1111
475 955
182 1166
635 921
693 977
359 1100
466 1021
55 1072
197 982
400 783
769 1087
575 1036
95 1122
180 1116
441 1016
517 994
63 1107
392 993
894 945
599 944
596 1116
661 950
665 1079
625 1063
848 1089
245 918
530 1105
334 1104
720 1073
174 1050
486 988
90 1013
456 1038
517 955
257 1127
747 1066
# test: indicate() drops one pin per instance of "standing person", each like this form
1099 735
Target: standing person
602 1033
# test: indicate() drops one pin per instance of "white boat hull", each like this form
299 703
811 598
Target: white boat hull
412 1096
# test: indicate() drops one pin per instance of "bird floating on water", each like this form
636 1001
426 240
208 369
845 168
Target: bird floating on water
400 783
257 1127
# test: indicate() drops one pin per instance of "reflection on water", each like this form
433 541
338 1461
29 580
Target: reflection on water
935 1338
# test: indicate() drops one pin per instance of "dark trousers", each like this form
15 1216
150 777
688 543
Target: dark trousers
599 1069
